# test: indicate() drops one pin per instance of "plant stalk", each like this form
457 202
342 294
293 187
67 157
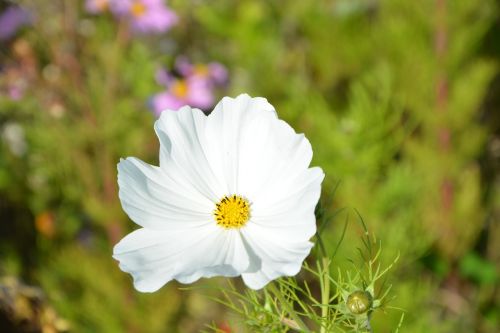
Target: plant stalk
325 293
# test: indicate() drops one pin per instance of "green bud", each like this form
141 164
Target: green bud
359 302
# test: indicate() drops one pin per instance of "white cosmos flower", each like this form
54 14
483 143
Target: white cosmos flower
233 195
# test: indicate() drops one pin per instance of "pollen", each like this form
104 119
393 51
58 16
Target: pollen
102 5
180 88
138 9
232 211
201 70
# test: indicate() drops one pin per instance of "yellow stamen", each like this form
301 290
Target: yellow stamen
201 70
232 212
138 9
102 5
180 88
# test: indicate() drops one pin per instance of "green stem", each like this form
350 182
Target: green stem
288 307
368 325
325 292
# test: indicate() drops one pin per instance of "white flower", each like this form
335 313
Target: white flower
233 195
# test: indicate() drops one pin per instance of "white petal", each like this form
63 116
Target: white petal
292 211
225 128
279 255
295 197
156 257
273 157
279 233
230 259
157 200
182 137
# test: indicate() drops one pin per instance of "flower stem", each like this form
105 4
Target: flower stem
325 292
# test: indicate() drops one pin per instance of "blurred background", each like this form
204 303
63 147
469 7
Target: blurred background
400 100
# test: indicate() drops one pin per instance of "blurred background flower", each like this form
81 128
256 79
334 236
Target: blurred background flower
96 6
150 16
144 16
188 84
11 20
13 136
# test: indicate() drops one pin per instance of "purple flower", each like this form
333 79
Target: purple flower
145 16
11 20
194 87
192 91
96 6
217 72
15 93
13 83
214 71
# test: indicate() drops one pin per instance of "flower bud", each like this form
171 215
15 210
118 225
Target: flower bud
359 302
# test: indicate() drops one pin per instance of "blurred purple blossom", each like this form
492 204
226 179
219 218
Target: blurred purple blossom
145 16
15 93
194 86
11 19
122 8
193 91
13 83
213 71
96 6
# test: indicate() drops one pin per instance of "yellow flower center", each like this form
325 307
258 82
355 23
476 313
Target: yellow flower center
201 70
180 88
232 212
101 4
138 9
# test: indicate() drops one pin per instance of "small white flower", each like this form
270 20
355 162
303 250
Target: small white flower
233 195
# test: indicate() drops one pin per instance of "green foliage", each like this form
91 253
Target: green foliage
478 269
92 285
323 299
